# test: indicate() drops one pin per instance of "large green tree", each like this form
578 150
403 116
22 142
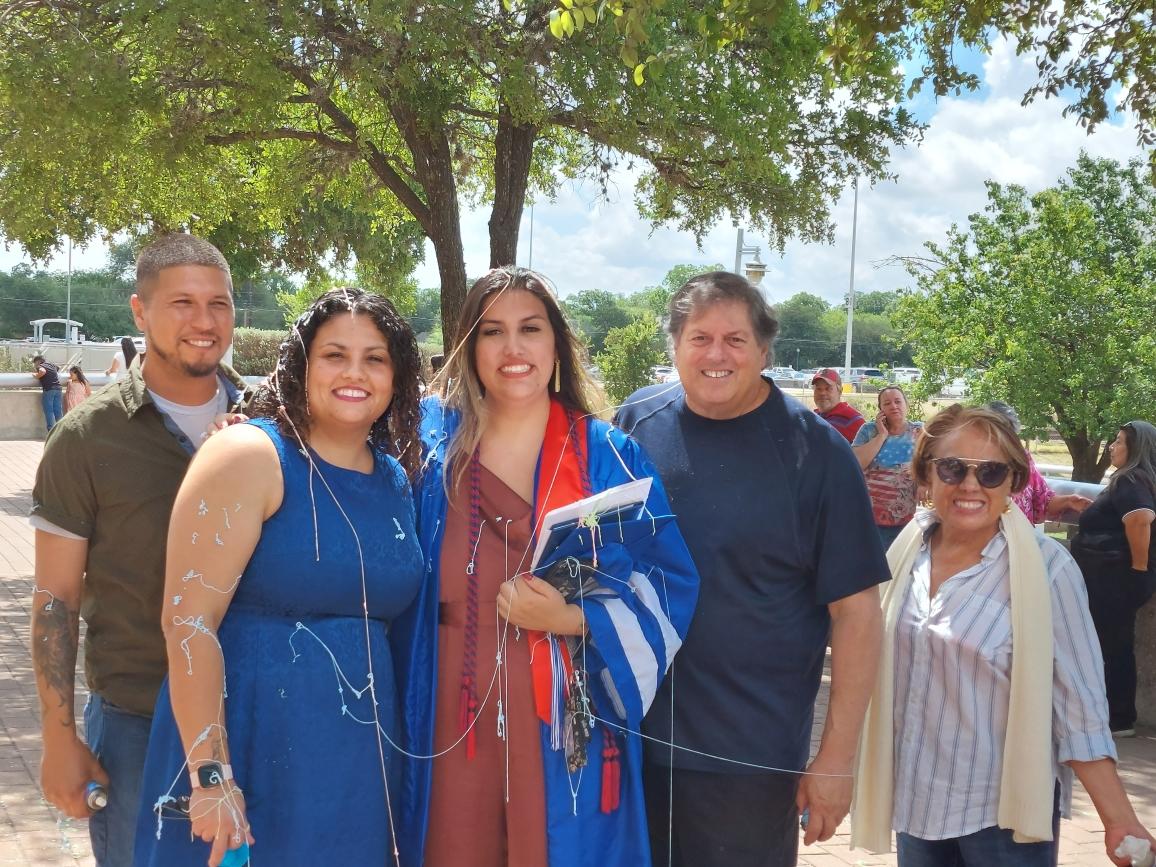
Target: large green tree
803 340
1097 53
99 300
596 312
318 120
1048 302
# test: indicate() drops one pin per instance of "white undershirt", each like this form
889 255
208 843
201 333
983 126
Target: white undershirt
193 422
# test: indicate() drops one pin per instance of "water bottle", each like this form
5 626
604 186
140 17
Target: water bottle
1140 851
236 857
96 796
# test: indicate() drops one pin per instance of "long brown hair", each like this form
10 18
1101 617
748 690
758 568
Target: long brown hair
463 387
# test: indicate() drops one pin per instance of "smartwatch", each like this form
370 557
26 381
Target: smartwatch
210 775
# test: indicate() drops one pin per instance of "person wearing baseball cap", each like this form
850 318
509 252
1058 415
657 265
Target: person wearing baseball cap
829 404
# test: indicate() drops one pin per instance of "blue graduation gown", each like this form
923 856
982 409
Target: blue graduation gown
636 624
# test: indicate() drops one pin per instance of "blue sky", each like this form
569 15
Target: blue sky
584 241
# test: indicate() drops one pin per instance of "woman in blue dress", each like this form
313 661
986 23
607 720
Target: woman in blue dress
281 680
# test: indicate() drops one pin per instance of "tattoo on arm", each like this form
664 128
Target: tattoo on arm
55 636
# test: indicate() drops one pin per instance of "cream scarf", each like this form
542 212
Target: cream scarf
1024 802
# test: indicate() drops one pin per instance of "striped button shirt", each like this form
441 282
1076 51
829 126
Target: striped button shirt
952 688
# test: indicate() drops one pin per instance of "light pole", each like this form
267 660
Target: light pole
68 297
851 286
530 257
755 270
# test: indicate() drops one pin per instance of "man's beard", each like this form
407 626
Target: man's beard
197 371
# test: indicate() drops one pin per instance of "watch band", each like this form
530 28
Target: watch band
210 774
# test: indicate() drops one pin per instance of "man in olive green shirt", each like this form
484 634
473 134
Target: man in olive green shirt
104 490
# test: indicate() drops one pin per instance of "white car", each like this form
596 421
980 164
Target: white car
956 388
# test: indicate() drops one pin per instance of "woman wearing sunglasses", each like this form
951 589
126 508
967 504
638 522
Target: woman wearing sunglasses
1112 549
990 691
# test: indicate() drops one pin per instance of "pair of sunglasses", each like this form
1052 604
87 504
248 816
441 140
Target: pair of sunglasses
952 471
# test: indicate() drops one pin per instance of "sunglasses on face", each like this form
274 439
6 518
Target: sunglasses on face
952 471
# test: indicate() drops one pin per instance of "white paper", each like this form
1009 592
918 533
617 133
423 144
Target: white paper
605 501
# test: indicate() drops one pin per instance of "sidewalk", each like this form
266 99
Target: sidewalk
32 834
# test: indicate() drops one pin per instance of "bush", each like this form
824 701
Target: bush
255 351
9 365
627 356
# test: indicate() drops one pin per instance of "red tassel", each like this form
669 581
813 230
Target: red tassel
611 772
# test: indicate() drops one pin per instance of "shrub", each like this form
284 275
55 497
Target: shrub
255 351
627 356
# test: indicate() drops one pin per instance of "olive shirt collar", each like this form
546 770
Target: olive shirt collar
135 396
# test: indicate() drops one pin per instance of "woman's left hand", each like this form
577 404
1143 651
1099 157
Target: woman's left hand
531 603
1115 834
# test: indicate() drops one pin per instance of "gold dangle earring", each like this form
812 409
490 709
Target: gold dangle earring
557 376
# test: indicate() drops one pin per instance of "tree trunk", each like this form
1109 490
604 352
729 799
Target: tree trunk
1089 458
513 152
428 142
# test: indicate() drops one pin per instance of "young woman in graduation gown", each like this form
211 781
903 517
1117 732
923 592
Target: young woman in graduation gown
527 706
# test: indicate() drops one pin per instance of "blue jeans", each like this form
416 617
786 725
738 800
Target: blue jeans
52 402
988 847
119 740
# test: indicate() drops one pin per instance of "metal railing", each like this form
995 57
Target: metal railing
95 379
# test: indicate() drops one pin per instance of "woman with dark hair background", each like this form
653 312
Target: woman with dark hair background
281 680
884 448
1113 548
123 358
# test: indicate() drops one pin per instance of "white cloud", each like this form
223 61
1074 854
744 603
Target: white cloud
582 242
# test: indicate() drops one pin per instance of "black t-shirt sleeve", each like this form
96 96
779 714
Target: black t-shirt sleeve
1128 495
849 555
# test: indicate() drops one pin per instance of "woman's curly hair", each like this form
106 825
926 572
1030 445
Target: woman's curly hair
284 398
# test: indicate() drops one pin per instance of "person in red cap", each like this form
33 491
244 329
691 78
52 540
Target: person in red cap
829 404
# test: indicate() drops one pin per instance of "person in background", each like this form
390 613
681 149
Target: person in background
78 388
100 507
1114 550
1037 500
776 515
884 448
122 359
50 390
990 693
827 387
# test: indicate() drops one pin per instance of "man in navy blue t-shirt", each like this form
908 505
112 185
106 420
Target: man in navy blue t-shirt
775 511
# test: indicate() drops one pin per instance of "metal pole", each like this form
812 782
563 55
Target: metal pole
68 296
851 287
530 262
738 250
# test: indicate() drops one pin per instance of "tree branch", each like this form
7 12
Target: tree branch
378 162
238 136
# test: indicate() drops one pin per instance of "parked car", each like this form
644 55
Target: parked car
956 388
905 375
663 373
862 374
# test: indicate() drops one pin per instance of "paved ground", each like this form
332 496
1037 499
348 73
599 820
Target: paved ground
32 834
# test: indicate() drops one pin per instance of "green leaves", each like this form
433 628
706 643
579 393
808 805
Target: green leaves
628 357
1048 302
